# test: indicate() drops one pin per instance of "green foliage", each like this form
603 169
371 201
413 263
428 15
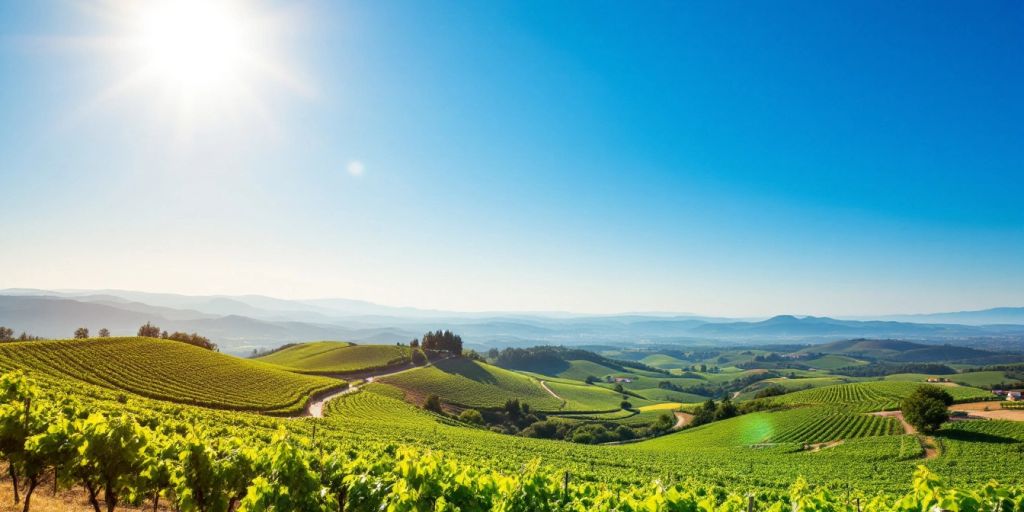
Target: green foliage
926 408
471 416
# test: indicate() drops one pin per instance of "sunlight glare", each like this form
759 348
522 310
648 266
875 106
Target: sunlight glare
193 44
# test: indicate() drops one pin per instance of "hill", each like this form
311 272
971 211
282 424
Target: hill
902 351
333 357
168 370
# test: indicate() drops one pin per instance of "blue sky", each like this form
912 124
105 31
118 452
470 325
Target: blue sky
729 158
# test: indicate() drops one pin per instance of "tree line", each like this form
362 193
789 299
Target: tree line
439 341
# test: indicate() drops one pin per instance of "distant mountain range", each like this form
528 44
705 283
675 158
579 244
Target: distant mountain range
243 323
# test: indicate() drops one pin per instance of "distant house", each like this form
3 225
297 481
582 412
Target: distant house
937 379
1015 396
625 380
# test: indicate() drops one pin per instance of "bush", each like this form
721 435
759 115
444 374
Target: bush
626 405
472 416
433 403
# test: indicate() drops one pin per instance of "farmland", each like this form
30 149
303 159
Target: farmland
169 370
823 434
334 357
464 382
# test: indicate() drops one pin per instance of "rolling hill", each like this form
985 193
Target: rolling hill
332 357
169 370
464 382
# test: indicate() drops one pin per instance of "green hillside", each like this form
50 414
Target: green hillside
168 370
331 357
877 395
473 384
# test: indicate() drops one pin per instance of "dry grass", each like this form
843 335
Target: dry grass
66 500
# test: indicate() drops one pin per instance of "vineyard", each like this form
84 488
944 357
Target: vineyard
333 357
470 383
169 370
819 436
873 396
127 459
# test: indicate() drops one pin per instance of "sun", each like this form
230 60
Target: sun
194 45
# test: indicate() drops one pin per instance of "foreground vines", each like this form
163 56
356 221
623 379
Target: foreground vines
120 459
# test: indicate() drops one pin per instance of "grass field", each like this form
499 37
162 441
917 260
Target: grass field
984 378
331 357
169 370
833 361
591 398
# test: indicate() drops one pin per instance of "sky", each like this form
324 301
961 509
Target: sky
729 158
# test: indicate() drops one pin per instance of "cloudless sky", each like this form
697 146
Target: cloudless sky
730 158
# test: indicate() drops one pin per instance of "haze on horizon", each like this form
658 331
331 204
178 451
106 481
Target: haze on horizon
730 158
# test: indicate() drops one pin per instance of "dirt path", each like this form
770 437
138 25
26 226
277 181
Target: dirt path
931 449
907 427
315 407
816 447
682 419
552 393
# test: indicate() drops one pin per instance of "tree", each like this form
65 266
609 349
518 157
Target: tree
626 405
433 403
81 333
927 408
418 357
6 333
414 343
149 331
725 410
104 333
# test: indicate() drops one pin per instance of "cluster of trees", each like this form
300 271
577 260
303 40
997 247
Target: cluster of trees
710 411
7 334
82 333
440 341
151 331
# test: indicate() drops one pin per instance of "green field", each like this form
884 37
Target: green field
873 396
169 370
832 362
470 383
332 357
983 378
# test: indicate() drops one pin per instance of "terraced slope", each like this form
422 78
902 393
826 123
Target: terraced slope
867 396
474 384
801 425
332 357
169 370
